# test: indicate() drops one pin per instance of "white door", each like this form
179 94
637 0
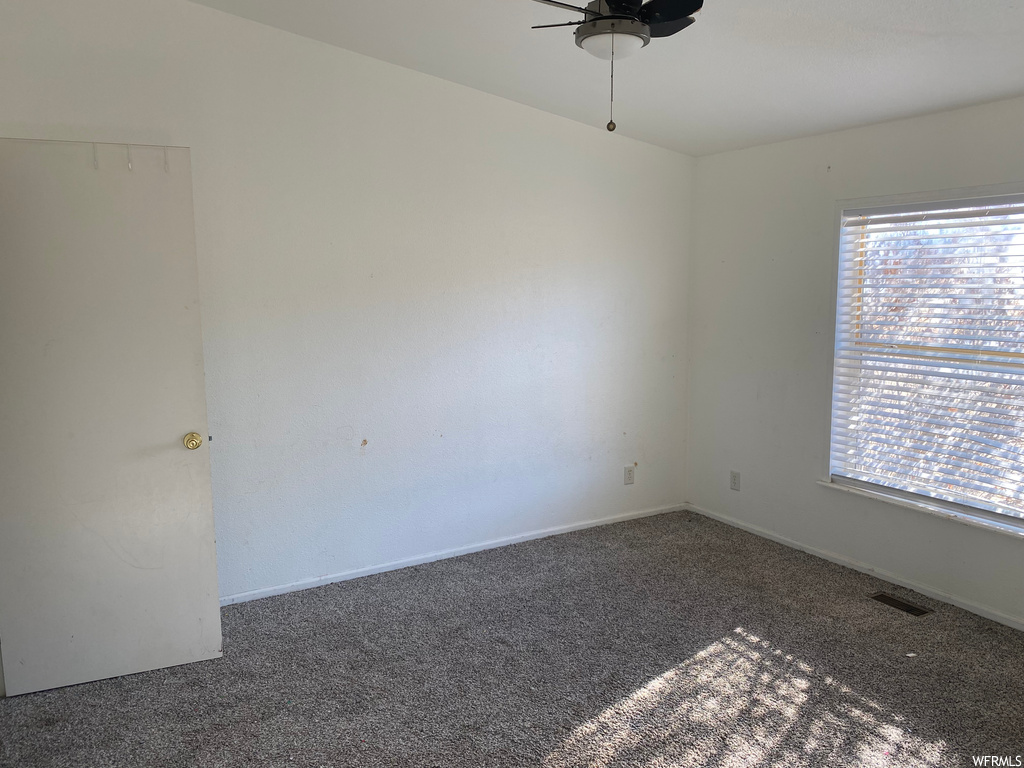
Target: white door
107 561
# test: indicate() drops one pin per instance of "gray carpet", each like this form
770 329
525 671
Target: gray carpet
667 641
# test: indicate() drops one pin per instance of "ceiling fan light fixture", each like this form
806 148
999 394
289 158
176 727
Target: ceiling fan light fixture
596 37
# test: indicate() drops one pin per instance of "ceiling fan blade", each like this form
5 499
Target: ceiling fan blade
661 11
567 7
666 28
624 7
565 24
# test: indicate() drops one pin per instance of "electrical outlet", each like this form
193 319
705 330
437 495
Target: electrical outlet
627 475
734 480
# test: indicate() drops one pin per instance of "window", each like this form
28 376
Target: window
928 388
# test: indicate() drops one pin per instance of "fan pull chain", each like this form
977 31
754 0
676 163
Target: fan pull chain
611 102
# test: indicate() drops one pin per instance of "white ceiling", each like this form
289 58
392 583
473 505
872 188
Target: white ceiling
748 72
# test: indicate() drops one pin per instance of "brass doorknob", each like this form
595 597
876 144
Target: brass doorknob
193 440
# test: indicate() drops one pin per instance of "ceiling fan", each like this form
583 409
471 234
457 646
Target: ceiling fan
612 29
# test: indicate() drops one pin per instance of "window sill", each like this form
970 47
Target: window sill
1009 528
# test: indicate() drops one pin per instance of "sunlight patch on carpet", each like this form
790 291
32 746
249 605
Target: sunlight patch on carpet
742 702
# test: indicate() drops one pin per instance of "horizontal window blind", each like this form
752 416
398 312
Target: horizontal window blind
928 393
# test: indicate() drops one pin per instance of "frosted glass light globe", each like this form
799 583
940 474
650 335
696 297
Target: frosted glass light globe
601 45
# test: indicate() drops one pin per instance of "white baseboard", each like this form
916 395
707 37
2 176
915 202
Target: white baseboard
319 581
982 610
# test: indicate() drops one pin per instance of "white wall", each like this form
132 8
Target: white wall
492 298
761 287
